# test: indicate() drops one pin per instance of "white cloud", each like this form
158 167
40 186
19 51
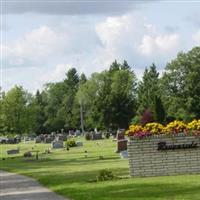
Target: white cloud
132 37
90 46
57 74
35 46
196 37
152 45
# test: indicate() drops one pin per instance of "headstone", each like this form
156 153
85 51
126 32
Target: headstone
48 140
79 144
38 140
78 133
57 144
62 137
32 136
97 136
18 138
65 137
71 132
3 140
26 139
11 141
124 154
121 141
13 151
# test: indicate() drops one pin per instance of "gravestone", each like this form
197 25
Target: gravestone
71 133
3 140
26 139
124 154
78 133
13 151
121 141
79 144
97 136
57 144
48 140
11 141
38 140
62 137
18 138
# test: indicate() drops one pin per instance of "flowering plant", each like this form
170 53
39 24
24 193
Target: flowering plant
174 127
133 129
142 134
194 125
154 128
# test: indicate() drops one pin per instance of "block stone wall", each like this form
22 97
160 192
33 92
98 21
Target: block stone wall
146 160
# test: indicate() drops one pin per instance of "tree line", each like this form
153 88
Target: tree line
108 100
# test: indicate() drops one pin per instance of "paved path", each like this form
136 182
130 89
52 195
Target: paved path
18 187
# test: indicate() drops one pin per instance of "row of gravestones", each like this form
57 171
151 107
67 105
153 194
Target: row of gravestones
13 140
50 138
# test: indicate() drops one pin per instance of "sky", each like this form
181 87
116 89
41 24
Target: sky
41 40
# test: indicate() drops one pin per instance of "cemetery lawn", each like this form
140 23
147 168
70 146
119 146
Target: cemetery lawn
70 174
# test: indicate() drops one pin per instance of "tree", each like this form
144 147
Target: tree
148 88
14 108
55 110
115 66
159 111
125 66
123 98
39 105
180 86
109 98
71 84
2 117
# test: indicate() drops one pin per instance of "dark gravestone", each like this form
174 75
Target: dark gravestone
62 137
3 140
121 141
48 140
11 141
97 136
13 151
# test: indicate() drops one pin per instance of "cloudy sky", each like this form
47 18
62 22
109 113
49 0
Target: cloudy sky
41 40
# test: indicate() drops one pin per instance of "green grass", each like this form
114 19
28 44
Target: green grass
69 173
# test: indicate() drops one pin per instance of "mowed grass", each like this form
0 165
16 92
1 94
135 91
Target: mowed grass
70 174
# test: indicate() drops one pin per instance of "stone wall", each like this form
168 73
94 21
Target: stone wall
179 155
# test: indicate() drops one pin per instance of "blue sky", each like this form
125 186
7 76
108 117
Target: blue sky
41 41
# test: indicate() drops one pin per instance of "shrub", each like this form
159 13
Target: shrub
70 143
136 120
147 117
27 154
105 175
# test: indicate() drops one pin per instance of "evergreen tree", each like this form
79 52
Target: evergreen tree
159 111
148 88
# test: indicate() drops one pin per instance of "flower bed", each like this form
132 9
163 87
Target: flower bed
173 128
